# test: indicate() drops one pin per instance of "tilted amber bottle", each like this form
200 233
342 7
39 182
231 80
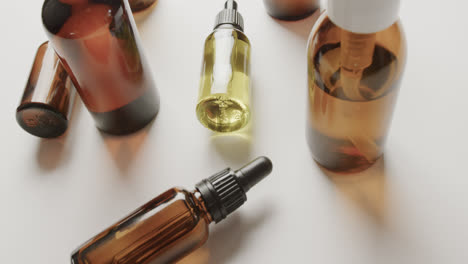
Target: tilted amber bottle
98 44
354 74
175 223
47 102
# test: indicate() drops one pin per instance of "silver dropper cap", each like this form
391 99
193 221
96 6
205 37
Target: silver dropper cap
229 15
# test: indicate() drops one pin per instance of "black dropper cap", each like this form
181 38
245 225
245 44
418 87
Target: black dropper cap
225 191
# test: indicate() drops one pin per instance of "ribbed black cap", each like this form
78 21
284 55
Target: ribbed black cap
225 191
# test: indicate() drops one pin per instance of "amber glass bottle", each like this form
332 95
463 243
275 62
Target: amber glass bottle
48 98
98 44
354 80
291 10
175 223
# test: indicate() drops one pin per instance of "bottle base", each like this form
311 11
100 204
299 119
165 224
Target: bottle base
339 156
356 167
129 118
222 114
138 6
41 120
295 17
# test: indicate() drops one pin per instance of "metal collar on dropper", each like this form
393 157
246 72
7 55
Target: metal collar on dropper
230 15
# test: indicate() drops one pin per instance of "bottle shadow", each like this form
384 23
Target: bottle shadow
367 190
124 149
52 152
301 27
236 146
227 239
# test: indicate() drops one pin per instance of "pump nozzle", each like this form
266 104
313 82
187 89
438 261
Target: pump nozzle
225 191
357 51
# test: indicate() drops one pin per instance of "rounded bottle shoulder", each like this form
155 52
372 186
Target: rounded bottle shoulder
325 31
224 31
325 24
191 198
353 66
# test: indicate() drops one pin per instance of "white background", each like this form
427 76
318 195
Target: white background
410 208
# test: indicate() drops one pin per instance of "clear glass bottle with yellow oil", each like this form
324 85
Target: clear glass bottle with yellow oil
356 59
224 96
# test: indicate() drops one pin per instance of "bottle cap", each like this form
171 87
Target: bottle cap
363 16
47 101
229 15
225 191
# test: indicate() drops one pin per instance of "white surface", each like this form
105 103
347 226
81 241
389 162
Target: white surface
364 16
55 194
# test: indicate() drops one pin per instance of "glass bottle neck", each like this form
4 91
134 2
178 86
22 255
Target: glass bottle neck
227 26
199 205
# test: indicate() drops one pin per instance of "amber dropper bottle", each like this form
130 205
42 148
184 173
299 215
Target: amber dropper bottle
224 96
356 58
175 223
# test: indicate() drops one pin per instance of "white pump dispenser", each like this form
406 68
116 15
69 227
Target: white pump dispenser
363 16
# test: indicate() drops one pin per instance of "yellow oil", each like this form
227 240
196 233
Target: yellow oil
224 96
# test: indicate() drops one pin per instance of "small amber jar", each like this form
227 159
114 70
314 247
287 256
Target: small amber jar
47 102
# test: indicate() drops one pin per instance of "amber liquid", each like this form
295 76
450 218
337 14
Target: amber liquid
162 231
98 45
346 134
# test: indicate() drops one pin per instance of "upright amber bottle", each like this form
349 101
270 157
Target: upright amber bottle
224 96
98 44
175 223
291 10
355 64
